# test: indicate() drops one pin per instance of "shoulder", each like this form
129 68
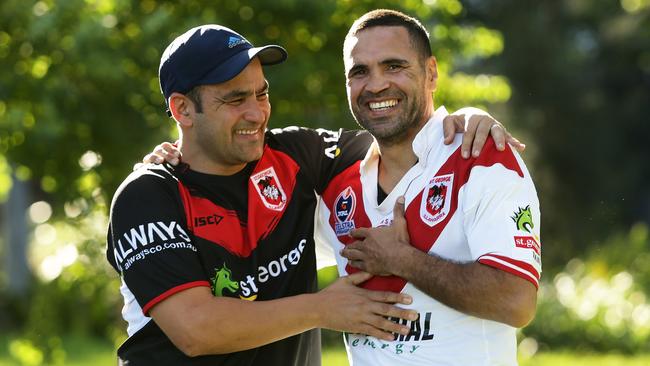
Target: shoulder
508 158
148 183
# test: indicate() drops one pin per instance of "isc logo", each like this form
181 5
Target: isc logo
207 220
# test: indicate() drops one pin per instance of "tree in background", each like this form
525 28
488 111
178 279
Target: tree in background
80 103
580 75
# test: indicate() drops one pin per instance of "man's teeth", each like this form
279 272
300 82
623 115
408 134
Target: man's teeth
383 105
246 132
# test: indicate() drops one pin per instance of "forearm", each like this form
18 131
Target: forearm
198 323
471 288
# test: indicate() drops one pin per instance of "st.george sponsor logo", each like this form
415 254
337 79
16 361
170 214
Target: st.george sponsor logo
137 241
523 219
249 287
527 242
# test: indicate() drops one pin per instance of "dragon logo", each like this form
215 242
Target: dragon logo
268 187
436 199
524 219
221 281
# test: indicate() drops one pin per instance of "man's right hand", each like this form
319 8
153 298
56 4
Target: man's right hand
163 152
346 307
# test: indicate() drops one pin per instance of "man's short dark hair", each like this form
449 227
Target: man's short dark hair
195 96
391 18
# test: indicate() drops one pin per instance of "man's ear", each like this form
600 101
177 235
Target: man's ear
181 108
431 67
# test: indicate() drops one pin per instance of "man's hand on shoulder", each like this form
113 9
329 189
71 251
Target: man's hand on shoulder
165 152
475 125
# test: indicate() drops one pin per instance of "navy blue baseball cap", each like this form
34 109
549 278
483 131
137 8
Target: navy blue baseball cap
209 54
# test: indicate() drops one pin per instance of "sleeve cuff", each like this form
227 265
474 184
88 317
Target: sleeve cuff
515 267
170 292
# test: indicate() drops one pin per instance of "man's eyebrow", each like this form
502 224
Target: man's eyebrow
356 68
239 93
393 61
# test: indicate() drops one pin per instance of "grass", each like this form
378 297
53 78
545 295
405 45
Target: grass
77 351
82 351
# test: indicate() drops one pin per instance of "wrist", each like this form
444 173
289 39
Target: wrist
402 260
314 310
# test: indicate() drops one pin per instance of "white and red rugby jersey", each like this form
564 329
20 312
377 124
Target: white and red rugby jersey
481 209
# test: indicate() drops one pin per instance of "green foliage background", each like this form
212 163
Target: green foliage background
80 103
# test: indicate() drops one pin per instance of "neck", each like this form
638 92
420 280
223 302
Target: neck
199 162
397 158
394 162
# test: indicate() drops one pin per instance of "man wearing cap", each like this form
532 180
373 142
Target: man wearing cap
216 255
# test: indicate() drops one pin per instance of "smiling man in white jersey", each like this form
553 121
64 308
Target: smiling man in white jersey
461 236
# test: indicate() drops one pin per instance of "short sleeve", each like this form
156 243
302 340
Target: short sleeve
502 220
148 240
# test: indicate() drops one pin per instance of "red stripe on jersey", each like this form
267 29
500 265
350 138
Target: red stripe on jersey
171 291
422 235
207 220
515 267
197 212
356 214
261 219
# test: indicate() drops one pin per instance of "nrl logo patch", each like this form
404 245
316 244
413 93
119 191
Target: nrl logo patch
436 199
344 207
268 187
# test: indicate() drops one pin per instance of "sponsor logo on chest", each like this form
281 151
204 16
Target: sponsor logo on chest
344 207
247 285
269 188
436 199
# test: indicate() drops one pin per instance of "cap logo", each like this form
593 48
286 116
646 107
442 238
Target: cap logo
234 41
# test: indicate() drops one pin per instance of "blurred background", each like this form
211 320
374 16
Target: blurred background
80 104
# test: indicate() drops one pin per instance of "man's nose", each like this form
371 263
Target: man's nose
255 112
376 83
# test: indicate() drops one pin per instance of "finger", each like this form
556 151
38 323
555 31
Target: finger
359 233
152 158
169 148
352 254
169 156
386 325
374 332
483 124
515 143
398 209
452 124
358 264
498 133
357 278
399 220
468 136
388 297
387 310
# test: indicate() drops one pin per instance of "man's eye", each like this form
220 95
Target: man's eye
235 102
357 73
263 96
394 67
